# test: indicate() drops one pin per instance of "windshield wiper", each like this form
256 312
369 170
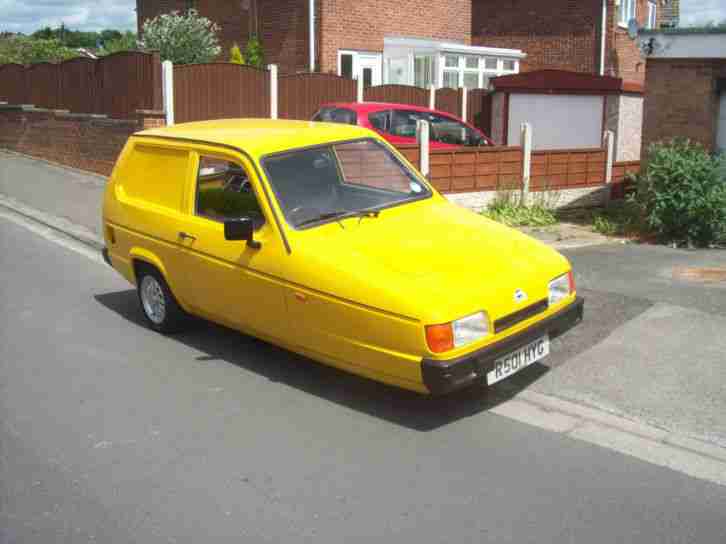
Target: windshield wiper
340 214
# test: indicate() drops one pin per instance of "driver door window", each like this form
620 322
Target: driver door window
224 192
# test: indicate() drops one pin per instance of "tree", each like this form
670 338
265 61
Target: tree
124 42
235 55
185 38
254 56
27 50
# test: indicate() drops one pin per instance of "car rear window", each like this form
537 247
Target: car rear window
336 115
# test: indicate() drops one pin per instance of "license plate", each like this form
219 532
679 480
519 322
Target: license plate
519 359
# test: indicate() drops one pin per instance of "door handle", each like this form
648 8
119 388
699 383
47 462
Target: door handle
184 236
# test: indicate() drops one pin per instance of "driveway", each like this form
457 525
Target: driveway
112 433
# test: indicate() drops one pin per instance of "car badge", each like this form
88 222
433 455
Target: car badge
520 296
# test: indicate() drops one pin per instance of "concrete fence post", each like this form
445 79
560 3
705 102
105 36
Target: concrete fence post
432 97
610 149
167 88
273 90
526 143
464 98
422 134
359 81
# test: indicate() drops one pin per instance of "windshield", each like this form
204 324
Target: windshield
325 183
443 129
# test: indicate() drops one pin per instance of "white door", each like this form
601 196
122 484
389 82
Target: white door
369 68
721 126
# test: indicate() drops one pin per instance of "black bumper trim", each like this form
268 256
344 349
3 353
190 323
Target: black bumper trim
445 376
106 258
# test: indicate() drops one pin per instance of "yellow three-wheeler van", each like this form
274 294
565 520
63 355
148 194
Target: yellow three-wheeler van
323 239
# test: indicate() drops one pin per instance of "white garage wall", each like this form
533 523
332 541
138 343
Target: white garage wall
558 121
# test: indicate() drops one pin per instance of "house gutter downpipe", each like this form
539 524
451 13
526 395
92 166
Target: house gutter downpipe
311 31
603 36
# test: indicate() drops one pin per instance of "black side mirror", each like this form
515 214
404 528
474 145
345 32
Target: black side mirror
241 229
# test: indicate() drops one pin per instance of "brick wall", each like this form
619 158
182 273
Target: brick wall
362 24
681 100
669 15
560 34
88 142
341 24
623 55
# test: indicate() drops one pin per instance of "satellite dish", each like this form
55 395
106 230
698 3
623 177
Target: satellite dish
633 28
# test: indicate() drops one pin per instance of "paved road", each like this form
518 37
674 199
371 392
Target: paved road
112 433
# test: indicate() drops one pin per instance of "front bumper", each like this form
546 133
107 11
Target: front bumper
445 376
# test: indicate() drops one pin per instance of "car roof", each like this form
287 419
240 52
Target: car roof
261 136
371 107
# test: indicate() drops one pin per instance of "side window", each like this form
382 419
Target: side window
156 175
224 192
378 120
336 115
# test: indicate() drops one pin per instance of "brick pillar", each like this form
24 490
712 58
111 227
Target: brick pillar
150 119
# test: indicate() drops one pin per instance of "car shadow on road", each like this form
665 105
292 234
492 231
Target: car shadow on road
411 410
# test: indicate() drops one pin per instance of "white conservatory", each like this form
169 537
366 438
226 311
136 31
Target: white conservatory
419 62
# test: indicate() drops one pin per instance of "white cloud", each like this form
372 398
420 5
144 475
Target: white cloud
27 16
699 12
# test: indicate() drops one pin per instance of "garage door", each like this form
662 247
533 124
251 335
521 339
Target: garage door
721 138
558 121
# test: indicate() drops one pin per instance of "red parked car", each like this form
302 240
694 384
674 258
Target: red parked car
397 123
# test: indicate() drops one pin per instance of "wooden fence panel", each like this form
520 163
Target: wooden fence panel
220 91
13 84
43 85
449 100
475 169
78 87
479 110
567 168
125 83
398 94
301 95
116 85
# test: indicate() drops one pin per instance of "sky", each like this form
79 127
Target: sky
27 16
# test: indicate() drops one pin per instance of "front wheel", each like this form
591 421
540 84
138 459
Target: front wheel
160 308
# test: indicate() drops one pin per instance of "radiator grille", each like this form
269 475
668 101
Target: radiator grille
511 320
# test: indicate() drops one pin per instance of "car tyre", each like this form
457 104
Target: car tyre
158 304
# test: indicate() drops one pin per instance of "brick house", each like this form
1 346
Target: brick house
418 42
568 34
685 92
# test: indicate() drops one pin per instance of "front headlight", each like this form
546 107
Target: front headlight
461 332
561 287
469 329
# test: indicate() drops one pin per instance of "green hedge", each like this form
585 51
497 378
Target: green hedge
682 193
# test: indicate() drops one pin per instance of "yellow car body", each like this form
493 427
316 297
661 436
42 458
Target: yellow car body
357 293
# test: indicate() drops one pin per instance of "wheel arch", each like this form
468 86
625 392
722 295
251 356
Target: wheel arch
141 256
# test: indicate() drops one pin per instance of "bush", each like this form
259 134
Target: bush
182 38
682 193
235 55
254 56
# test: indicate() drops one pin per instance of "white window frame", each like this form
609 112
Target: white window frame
484 73
628 10
652 15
